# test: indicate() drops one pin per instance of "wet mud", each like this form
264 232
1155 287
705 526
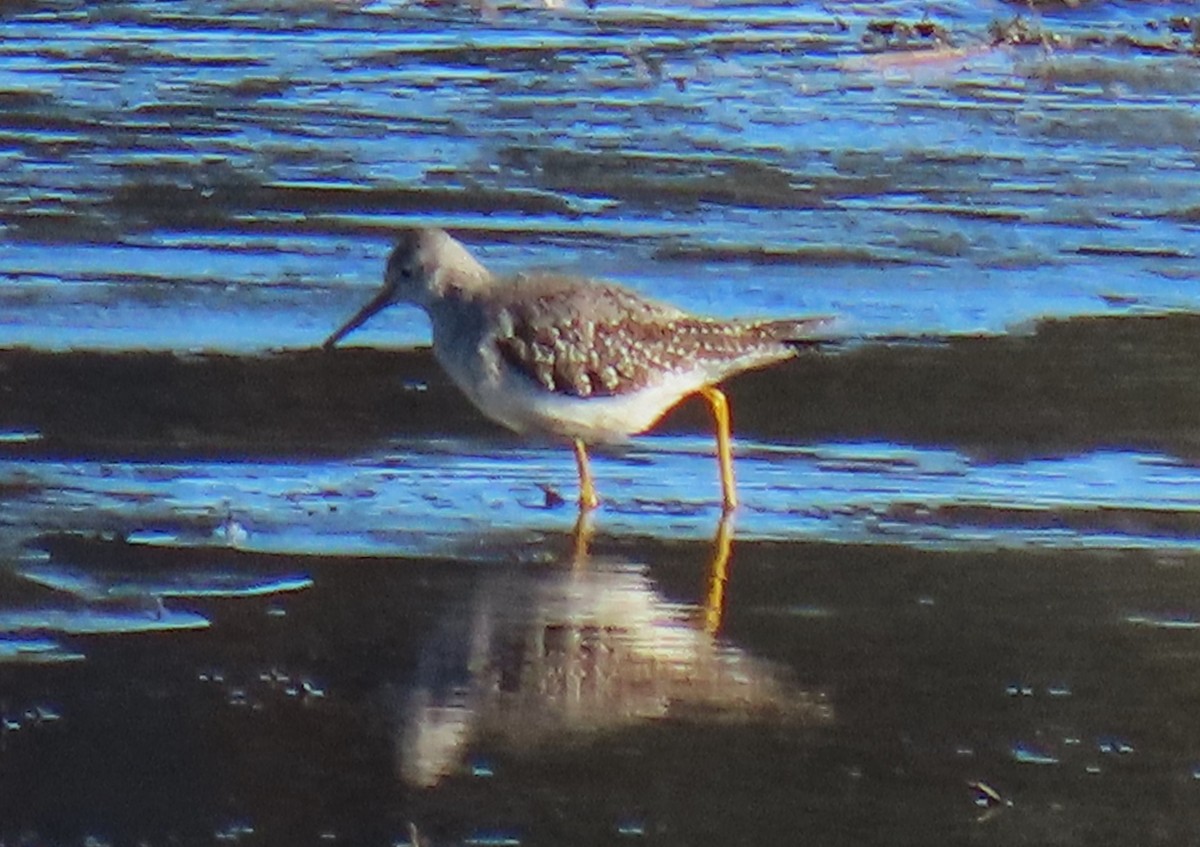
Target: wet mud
1062 387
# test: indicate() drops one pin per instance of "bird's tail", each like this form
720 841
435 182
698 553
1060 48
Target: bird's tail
802 332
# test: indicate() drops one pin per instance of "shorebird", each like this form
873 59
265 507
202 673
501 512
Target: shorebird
575 358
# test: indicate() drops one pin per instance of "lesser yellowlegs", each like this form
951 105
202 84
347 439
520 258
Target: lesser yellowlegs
581 359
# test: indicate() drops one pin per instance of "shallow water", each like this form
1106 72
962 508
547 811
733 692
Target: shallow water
251 592
228 176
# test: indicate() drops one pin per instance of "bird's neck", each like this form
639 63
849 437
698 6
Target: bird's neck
455 287
458 275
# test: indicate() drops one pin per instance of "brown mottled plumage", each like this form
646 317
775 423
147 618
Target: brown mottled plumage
600 340
582 359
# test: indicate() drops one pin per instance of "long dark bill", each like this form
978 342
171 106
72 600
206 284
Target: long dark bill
361 317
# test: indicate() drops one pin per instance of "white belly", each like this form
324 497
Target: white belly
523 406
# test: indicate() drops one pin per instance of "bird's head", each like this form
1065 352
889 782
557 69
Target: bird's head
426 265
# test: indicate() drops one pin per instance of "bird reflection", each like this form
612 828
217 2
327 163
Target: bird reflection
586 643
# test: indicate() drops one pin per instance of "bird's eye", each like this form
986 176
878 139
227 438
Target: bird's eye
406 272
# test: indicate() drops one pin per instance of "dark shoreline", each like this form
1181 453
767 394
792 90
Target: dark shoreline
1072 386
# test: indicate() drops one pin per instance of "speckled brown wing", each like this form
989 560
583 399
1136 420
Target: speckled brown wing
602 340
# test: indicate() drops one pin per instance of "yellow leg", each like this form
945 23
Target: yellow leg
587 489
720 409
718 575
581 537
